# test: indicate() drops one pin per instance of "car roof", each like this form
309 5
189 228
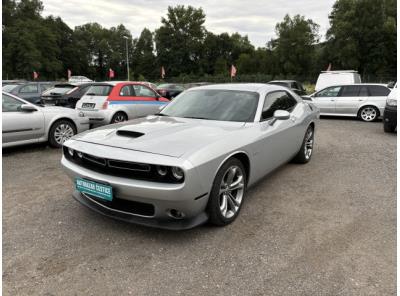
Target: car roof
282 81
255 87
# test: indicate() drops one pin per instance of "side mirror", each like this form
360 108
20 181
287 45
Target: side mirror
306 98
27 108
279 115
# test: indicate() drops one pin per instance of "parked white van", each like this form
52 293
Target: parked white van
340 77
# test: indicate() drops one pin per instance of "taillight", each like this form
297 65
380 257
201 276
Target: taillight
105 105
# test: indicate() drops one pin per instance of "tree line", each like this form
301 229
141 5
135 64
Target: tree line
362 36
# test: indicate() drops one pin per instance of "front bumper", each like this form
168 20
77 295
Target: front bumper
187 198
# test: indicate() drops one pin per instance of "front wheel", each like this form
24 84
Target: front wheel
227 194
368 113
61 131
306 150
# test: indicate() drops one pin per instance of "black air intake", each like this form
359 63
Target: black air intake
129 134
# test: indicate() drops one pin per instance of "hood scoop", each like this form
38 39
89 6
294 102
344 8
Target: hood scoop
130 134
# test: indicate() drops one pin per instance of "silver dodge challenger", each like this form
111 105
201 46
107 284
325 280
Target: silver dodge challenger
193 161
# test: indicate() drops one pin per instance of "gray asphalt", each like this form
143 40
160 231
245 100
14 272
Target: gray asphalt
325 228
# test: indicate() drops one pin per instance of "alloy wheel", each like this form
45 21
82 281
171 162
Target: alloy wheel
119 118
231 191
62 133
309 143
368 114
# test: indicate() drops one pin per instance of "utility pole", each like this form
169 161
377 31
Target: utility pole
127 55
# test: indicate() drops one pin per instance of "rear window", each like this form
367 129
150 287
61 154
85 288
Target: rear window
99 90
58 90
285 84
378 90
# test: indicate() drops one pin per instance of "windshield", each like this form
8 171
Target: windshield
214 104
9 87
99 90
58 90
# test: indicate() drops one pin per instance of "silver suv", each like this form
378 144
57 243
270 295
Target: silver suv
366 101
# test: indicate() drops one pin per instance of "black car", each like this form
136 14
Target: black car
65 94
30 91
169 90
294 85
390 113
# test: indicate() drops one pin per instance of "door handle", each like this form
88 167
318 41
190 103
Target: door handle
332 100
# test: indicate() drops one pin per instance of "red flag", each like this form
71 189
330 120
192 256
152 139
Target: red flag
233 71
35 75
162 72
329 67
111 73
69 73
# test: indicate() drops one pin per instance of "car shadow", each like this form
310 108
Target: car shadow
29 148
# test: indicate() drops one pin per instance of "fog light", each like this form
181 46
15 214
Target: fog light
162 171
71 151
176 214
177 173
79 154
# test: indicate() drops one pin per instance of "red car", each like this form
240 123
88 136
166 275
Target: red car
112 102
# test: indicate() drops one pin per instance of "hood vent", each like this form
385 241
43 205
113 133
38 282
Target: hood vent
130 134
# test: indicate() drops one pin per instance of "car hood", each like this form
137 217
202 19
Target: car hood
170 136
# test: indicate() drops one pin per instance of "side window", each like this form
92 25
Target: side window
10 104
329 92
143 91
278 100
126 91
378 90
363 92
29 88
350 91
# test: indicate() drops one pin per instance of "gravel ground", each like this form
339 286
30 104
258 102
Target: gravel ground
325 228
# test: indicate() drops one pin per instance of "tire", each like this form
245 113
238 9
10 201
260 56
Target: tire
119 117
61 131
368 113
387 127
224 207
307 147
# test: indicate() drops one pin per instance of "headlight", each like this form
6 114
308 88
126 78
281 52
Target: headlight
391 102
71 151
162 171
177 173
79 154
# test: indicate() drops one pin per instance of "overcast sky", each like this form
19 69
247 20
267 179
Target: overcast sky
257 19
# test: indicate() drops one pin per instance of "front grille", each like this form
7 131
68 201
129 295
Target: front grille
119 168
133 207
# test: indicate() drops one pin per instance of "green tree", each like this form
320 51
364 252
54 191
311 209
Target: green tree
362 36
179 40
144 59
294 47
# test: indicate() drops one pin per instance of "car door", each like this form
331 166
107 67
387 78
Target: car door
325 99
350 99
146 100
280 141
20 125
